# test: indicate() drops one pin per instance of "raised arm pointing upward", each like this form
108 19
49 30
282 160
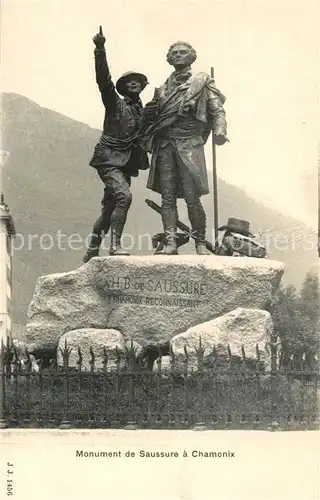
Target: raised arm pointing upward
117 156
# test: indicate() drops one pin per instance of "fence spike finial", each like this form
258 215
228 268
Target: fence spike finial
214 351
105 356
92 358
171 353
185 351
258 352
243 353
200 349
159 359
229 352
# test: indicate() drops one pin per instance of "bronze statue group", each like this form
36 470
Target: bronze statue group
173 127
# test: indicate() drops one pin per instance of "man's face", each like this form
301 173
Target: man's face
133 87
180 56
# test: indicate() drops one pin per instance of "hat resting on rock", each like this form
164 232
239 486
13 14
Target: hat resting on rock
130 75
238 226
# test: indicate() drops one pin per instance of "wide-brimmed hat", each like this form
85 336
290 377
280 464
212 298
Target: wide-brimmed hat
238 226
120 85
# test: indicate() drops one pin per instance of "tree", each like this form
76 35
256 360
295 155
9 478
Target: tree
308 307
285 315
296 320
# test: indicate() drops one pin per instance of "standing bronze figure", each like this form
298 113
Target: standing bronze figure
178 122
118 155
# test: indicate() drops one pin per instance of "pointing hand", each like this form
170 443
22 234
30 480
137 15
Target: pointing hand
99 39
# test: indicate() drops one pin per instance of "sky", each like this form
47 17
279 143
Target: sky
265 55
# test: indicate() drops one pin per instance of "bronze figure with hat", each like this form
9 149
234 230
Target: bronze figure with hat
121 84
238 240
119 154
237 226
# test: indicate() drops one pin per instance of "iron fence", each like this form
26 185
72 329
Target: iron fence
213 393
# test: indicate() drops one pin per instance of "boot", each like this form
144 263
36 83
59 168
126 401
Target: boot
116 232
170 247
201 249
118 251
89 254
197 218
93 248
200 242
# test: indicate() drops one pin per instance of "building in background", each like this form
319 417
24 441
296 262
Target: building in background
7 233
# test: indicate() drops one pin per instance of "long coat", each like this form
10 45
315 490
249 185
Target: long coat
191 154
186 116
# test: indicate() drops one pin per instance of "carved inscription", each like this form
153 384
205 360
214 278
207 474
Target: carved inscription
147 291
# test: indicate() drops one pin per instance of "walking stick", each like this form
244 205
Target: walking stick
215 184
319 204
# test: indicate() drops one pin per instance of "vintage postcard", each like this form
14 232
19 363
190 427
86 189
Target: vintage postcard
159 249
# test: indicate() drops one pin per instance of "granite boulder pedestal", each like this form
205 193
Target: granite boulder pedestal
242 335
149 299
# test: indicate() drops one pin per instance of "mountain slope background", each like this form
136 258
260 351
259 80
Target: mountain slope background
49 187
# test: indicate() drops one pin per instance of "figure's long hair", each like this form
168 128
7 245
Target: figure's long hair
193 54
